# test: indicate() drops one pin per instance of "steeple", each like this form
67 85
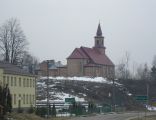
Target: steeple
99 40
99 31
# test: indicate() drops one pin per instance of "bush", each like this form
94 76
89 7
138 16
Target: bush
41 111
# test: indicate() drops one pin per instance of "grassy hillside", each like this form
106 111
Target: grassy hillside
100 93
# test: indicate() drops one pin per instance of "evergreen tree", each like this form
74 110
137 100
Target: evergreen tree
9 101
91 107
5 99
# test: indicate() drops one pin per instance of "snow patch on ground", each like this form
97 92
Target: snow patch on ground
89 79
61 97
151 108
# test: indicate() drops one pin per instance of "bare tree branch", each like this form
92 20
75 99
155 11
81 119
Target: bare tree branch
12 41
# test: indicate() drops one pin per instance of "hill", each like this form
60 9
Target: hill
97 90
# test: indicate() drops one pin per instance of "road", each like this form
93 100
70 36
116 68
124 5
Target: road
114 116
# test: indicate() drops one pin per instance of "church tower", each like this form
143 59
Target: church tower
99 40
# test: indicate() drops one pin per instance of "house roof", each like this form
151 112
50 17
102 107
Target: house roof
91 53
77 54
13 69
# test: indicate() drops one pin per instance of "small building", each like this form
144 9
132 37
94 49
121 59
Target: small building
53 66
21 85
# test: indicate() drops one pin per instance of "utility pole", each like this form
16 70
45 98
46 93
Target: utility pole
47 89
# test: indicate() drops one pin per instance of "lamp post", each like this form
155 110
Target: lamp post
47 88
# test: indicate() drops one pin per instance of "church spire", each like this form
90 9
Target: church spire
99 40
99 31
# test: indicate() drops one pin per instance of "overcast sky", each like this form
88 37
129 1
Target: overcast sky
55 27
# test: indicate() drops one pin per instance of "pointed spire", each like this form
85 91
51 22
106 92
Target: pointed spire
99 31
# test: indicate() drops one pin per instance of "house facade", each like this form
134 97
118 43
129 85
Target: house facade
21 85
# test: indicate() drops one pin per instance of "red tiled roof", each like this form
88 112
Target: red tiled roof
91 53
97 57
77 54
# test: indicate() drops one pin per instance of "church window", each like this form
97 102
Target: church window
97 42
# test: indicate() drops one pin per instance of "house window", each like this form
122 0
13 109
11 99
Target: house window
24 82
30 99
30 82
33 98
23 98
8 80
14 81
34 83
19 82
26 99
11 81
14 98
27 82
4 80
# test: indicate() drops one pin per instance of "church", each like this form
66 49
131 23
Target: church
91 62
84 61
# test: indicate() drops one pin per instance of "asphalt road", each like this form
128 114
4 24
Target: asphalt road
114 116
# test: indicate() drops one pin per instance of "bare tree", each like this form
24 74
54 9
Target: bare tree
12 41
143 72
29 62
153 69
122 69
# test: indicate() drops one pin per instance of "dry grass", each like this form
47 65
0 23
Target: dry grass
152 117
23 116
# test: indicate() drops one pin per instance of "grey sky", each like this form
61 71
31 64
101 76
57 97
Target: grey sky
55 27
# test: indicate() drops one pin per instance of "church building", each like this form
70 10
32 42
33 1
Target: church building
84 61
91 62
